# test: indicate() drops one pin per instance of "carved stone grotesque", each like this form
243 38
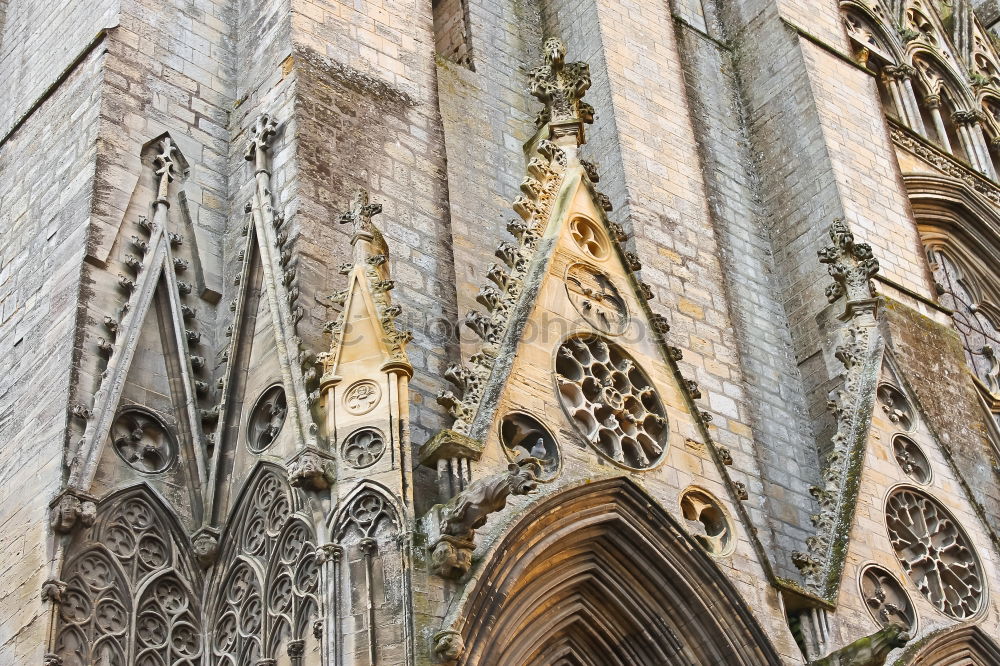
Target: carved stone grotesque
70 509
868 651
560 87
309 471
52 590
206 547
850 264
451 554
448 646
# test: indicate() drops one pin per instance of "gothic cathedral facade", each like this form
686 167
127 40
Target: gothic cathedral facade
499 333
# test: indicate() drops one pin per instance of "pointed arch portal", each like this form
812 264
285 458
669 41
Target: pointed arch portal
966 646
601 575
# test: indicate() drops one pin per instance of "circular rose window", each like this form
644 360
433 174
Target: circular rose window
611 401
934 552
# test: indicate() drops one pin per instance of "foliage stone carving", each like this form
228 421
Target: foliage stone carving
266 419
596 298
363 448
143 441
896 407
934 552
886 599
362 397
611 401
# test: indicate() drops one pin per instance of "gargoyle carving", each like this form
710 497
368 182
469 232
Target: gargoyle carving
868 651
309 471
451 555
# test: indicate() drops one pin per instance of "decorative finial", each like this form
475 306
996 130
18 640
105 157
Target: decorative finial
164 163
360 215
560 86
261 134
851 265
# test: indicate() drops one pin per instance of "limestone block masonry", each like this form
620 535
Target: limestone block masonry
499 333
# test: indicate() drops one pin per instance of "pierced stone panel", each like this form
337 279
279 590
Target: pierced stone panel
590 238
934 552
265 594
886 599
524 436
611 401
911 459
707 522
896 406
130 592
596 298
143 441
363 448
266 419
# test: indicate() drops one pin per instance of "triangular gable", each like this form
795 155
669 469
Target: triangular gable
920 554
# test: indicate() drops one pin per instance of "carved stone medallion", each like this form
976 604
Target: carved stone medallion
886 599
896 406
934 552
596 298
523 436
911 459
707 522
142 440
589 238
266 419
611 401
361 397
363 448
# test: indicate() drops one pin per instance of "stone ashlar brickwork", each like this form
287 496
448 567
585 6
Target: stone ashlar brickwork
498 331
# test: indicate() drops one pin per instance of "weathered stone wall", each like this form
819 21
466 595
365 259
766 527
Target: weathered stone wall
39 45
775 393
46 175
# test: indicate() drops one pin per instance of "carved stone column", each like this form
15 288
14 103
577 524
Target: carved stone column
329 556
898 81
452 454
973 141
369 548
933 103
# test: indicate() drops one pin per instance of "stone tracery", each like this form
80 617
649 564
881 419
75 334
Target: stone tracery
129 568
266 595
935 553
611 401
